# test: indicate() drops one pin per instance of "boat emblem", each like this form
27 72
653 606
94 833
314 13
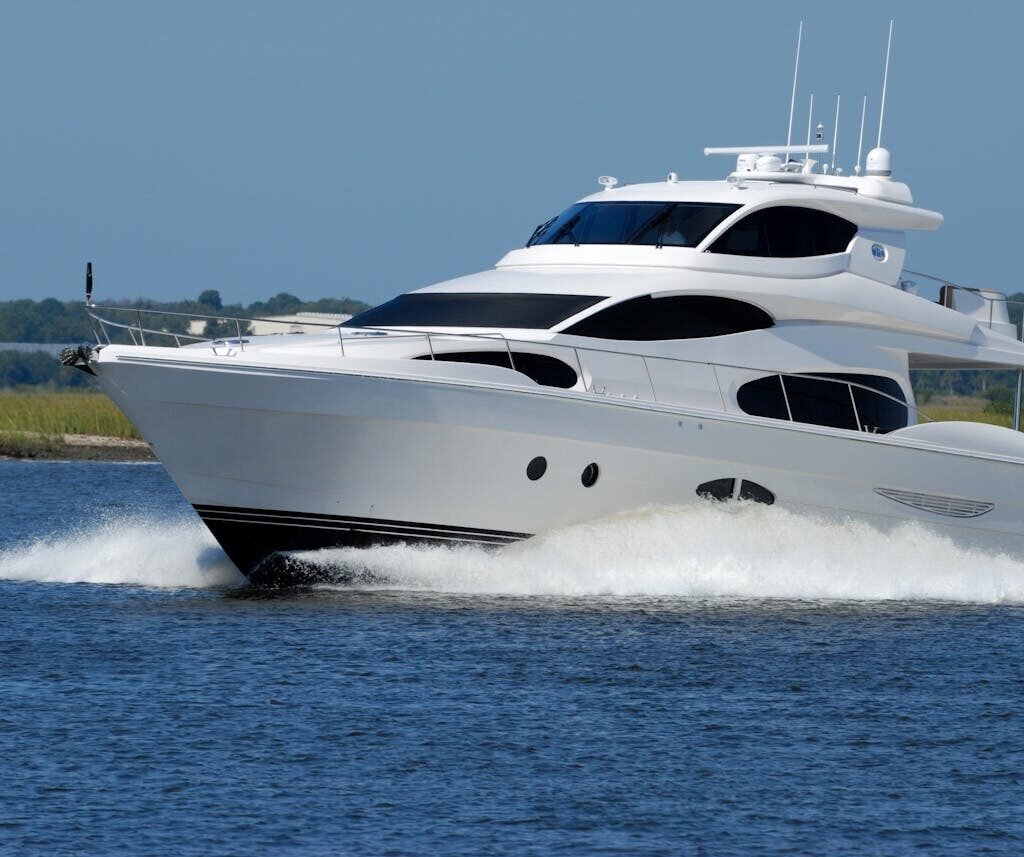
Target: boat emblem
878 251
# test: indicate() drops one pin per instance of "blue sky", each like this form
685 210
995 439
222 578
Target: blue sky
361 150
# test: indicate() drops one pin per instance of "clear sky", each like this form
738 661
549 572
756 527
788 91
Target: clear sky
330 148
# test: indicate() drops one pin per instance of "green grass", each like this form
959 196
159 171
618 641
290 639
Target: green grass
32 422
972 409
971 415
21 445
49 415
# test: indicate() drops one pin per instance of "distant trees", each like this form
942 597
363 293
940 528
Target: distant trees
210 298
336 305
56 322
47 320
40 369
53 321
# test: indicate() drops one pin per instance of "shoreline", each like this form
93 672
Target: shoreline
74 447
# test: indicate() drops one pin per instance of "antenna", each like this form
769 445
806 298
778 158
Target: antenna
792 98
885 82
835 135
860 145
810 116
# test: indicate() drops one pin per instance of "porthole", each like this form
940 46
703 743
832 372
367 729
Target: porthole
536 468
590 474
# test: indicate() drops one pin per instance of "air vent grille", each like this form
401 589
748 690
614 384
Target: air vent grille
951 507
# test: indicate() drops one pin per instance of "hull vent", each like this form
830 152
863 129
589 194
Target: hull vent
951 507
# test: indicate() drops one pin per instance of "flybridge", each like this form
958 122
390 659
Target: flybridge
765 163
762 163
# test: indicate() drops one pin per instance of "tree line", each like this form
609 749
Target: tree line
51 320
65 322
54 321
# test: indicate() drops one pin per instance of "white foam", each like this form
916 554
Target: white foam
704 551
735 551
134 551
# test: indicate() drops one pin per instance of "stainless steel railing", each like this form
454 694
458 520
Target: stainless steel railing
944 292
437 343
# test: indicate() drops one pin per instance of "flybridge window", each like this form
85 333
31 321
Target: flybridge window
474 309
674 317
658 224
786 232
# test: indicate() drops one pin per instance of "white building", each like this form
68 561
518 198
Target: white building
300 322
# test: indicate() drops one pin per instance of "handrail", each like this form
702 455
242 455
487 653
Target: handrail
541 346
141 330
990 296
992 301
198 315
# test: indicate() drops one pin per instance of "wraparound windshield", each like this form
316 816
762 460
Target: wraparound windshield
658 224
474 309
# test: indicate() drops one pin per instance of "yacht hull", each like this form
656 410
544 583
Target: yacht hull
277 460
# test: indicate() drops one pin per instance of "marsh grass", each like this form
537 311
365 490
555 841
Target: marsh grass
971 415
47 416
32 423
28 445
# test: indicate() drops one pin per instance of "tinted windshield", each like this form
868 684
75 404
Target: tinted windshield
671 224
474 309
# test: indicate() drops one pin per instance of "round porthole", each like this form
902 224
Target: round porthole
536 468
590 473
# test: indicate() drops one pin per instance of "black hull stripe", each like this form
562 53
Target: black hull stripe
370 526
262 543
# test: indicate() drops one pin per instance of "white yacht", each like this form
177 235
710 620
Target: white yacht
677 342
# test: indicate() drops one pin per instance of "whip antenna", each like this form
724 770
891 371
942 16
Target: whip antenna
835 135
860 145
810 116
885 82
792 98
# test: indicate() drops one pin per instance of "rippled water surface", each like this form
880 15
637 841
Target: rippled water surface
701 681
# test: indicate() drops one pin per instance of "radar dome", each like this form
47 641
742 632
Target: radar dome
879 162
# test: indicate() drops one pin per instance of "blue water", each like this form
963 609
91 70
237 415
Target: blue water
670 682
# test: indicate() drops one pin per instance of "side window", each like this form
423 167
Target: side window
676 317
786 232
859 402
545 370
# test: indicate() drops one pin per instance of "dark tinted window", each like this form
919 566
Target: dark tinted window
722 489
786 232
542 368
676 224
756 493
675 317
472 309
827 403
717 489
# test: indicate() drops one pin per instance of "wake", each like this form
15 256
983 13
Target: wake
705 551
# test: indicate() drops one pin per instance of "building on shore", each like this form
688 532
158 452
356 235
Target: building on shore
300 322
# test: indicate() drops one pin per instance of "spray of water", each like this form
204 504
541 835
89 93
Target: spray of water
702 551
126 551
